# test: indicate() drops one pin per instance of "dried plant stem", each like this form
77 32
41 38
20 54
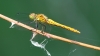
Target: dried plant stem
50 35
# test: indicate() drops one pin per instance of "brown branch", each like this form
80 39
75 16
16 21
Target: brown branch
50 35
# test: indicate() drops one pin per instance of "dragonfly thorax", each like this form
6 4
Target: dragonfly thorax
41 17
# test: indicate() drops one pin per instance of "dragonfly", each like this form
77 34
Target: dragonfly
41 18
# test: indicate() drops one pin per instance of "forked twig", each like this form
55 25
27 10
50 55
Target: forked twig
48 34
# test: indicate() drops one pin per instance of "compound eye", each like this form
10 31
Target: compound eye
32 16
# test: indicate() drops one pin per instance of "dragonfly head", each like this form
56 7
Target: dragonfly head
32 16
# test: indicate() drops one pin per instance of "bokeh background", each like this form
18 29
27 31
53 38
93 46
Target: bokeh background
80 14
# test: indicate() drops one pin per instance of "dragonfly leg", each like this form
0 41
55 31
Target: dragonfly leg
36 24
43 27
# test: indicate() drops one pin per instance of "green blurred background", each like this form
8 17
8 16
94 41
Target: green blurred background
80 14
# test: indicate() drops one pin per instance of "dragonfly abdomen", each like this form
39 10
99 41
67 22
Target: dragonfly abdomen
71 29
62 26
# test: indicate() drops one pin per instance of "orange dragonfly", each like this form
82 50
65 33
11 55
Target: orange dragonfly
44 19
